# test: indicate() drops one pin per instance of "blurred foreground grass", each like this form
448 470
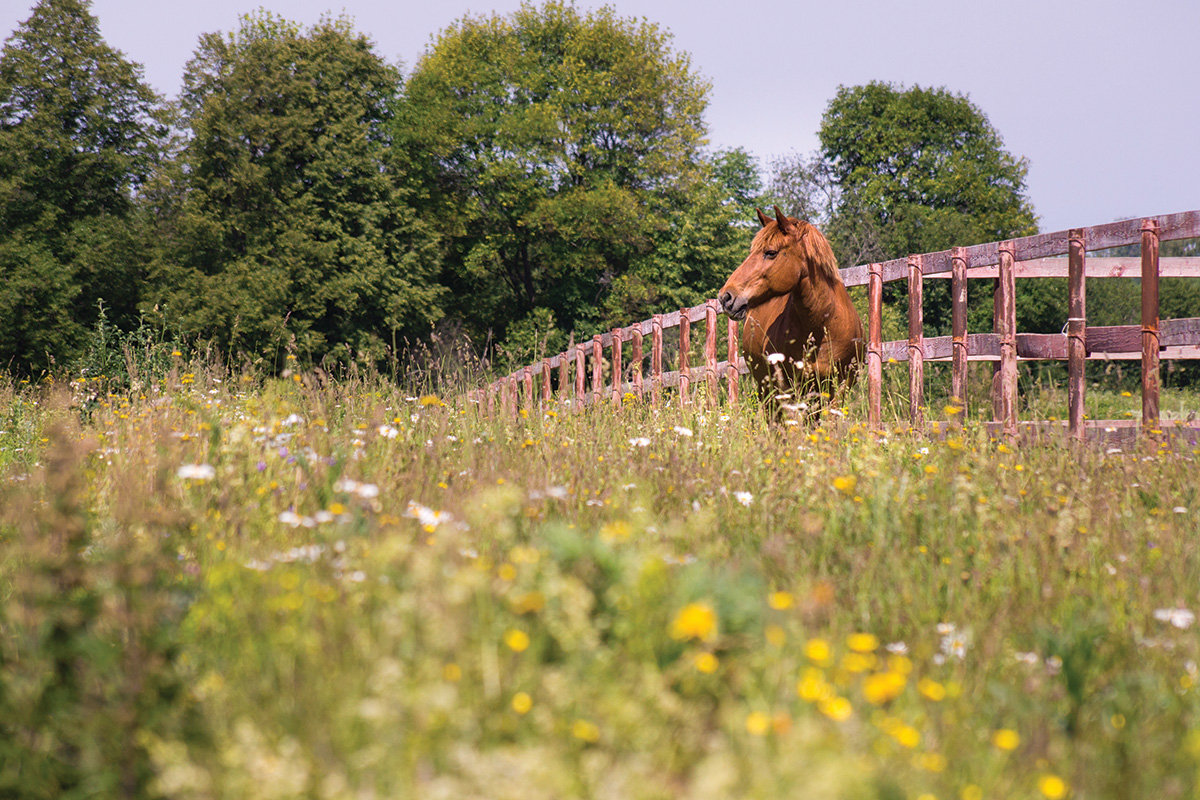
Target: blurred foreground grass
224 587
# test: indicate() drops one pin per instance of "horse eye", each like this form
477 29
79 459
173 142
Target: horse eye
770 253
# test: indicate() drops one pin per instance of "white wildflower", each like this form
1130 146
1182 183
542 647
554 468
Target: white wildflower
196 472
388 432
639 441
1179 617
682 431
1026 658
775 358
293 419
290 518
744 498
897 648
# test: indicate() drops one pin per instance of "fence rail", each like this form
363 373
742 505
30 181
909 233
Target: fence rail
1039 256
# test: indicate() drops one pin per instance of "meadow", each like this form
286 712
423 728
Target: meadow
219 585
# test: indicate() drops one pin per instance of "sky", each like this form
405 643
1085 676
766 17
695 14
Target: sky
1101 97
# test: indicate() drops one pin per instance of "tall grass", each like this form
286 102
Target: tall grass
327 586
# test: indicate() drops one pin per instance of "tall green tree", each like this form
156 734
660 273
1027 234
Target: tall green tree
553 143
287 225
80 133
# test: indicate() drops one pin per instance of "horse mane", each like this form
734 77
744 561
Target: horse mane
812 244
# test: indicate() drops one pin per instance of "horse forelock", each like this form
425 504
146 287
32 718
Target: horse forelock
812 244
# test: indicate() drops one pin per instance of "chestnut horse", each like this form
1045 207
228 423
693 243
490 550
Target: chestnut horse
802 338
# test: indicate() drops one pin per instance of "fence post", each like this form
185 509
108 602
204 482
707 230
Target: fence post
732 373
637 361
875 348
528 378
1150 337
564 380
597 368
491 400
710 350
579 399
545 382
916 344
656 350
617 345
958 331
1004 387
1076 331
685 377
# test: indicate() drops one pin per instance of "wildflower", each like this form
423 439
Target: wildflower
883 687
907 736
931 689
522 702
196 472
836 708
817 650
1052 786
896 648
707 663
813 687
452 673
1006 739
617 531
528 603
930 762
862 642
775 358
780 601
954 644
744 498
757 723
430 400
695 621
845 483
292 419
682 431
517 640
388 432
1179 617
585 731
1026 658
639 441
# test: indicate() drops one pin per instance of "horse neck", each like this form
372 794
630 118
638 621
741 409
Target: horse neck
812 302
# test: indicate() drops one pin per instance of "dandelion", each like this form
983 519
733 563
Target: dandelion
707 663
836 708
745 498
780 601
617 531
883 687
845 483
517 640
817 651
1052 786
1006 739
585 731
931 689
521 703
813 687
862 642
757 723
907 736
430 400
695 621
1179 617
196 472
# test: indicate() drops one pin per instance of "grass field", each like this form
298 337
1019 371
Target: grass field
230 587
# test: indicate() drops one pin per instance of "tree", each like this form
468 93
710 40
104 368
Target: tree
286 223
80 133
551 144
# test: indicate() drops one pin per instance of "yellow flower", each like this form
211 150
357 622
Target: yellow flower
845 483
813 687
776 635
707 663
517 640
817 650
521 703
528 603
836 708
931 689
780 600
1006 739
931 762
452 673
862 642
931 469
1052 786
615 531
882 687
695 621
585 731
430 400
758 723
907 736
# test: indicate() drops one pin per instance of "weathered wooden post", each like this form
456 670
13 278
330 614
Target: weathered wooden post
528 380
732 373
564 380
1150 337
546 394
710 350
656 353
685 377
1004 388
617 345
958 334
579 399
916 343
875 347
637 361
597 368
1076 331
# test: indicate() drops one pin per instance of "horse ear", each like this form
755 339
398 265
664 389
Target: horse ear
763 218
785 224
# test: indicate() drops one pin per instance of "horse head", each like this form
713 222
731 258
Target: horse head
783 253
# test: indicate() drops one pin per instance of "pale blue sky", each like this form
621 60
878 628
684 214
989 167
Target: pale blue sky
1102 97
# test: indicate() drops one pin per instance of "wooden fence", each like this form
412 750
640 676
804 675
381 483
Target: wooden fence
1030 257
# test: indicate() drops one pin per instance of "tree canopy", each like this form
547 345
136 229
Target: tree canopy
551 143
288 225
80 134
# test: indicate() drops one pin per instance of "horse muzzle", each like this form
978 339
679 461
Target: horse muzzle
735 307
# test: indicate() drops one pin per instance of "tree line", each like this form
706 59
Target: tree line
533 176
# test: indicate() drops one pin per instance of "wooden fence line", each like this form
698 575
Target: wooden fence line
1030 257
